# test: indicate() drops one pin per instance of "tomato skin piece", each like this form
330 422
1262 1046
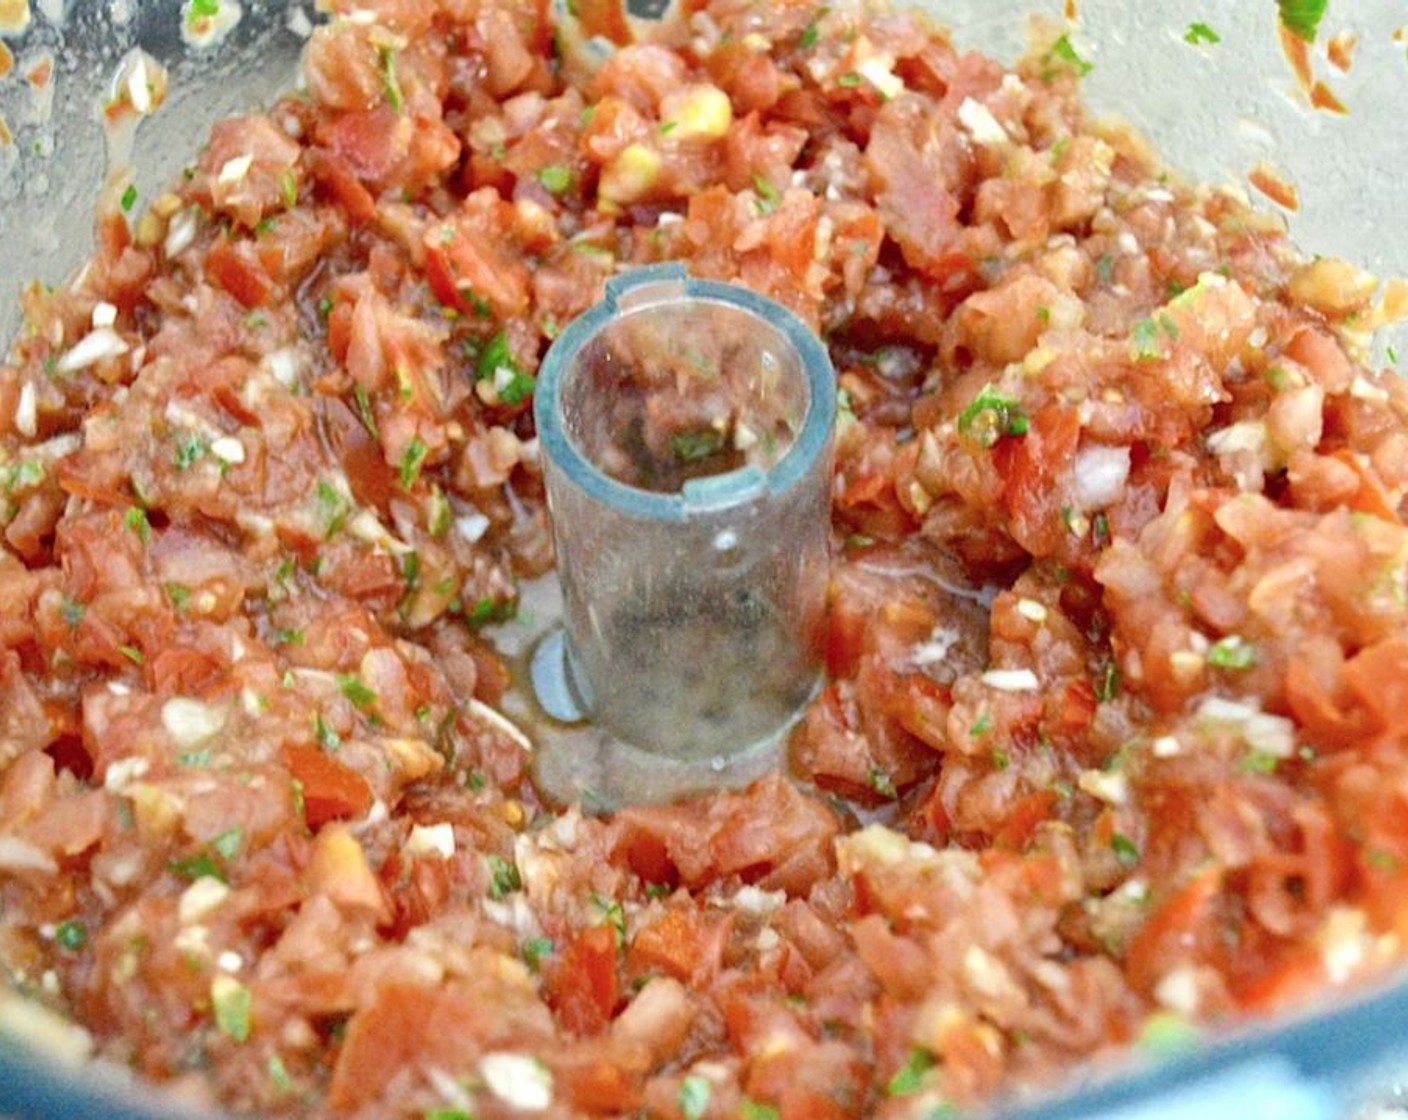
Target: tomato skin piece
336 178
582 987
235 267
1077 706
1295 980
1029 465
1175 932
331 791
469 262
1026 814
685 944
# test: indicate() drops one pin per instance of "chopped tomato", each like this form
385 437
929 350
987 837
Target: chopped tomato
331 790
235 266
582 985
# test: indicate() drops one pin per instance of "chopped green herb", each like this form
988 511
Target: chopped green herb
263 228
1108 685
136 521
229 842
334 506
991 416
909 1078
517 389
195 760
1259 762
476 781
411 461
390 82
1105 268
289 637
129 197
535 949
278 1074
753 1110
71 935
696 444
1100 529
1381 860
352 687
205 9
439 516
1000 759
179 594
488 609
190 449
981 726
1232 652
232 1003
24 475
768 196
555 178
694 1097
448 1114
1199 33
612 914
365 412
1145 342
1125 850
200 866
882 783
503 877
1166 1033
849 80
132 653
1302 17
1063 51
667 127
845 411
288 187
496 355
1043 314
72 611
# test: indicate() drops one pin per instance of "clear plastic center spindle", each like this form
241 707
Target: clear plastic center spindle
686 428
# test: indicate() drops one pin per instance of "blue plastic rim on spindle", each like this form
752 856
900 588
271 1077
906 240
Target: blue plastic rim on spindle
693 606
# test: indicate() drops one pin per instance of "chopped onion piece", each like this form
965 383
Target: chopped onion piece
93 347
180 233
472 526
1011 680
519 1080
497 719
432 840
27 412
977 118
1100 475
234 170
190 722
228 449
201 899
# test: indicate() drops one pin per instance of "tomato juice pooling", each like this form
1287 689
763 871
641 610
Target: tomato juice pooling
686 430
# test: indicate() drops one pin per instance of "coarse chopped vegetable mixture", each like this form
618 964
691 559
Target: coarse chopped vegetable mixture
268 469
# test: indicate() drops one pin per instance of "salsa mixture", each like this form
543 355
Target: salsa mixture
1114 743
